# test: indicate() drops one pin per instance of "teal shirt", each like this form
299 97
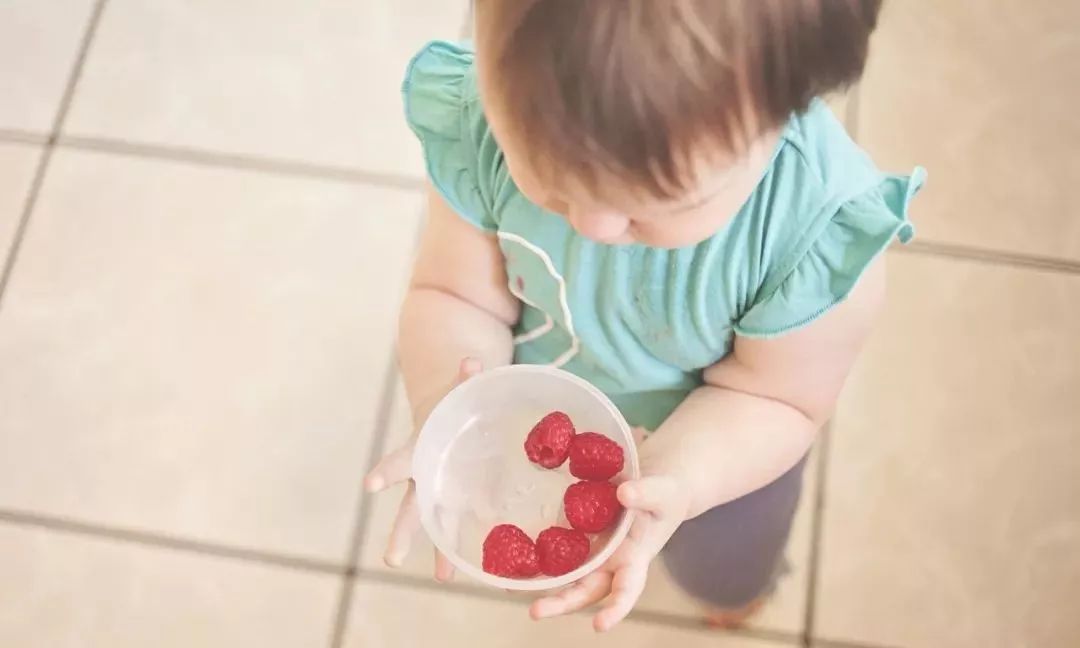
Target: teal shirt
641 322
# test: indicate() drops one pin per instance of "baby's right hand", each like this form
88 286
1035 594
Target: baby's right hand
397 467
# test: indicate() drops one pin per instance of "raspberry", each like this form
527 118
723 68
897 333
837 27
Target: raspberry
509 552
561 551
595 457
548 443
591 506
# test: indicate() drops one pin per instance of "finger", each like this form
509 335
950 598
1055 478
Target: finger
648 535
578 596
393 468
639 434
449 522
405 527
626 589
444 569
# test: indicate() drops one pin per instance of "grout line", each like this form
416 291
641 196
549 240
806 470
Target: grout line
24 220
75 527
816 525
356 543
840 643
50 144
76 70
378 448
202 157
375 453
412 581
302 169
993 257
641 616
396 181
680 622
17 136
953 251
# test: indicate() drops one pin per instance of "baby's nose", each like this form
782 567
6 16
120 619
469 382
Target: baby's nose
599 225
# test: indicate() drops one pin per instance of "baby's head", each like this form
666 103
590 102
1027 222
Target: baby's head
651 121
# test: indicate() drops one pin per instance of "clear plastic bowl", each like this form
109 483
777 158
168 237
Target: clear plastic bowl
471 471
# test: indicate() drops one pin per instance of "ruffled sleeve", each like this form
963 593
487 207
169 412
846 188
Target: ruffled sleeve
827 269
441 108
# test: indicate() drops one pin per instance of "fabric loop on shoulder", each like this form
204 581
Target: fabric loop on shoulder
437 93
857 233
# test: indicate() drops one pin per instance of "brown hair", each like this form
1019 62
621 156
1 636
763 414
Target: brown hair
633 89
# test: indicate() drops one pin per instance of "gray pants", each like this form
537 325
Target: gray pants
732 554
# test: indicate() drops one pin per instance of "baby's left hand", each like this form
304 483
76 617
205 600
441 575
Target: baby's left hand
660 504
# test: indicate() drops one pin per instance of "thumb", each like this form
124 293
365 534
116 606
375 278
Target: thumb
468 368
655 495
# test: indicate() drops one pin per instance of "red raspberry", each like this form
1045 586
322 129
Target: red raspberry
595 457
591 506
548 443
561 551
510 552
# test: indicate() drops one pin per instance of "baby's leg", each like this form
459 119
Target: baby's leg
730 556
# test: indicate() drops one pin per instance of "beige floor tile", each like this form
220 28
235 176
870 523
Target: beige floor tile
785 611
17 165
317 81
389 616
67 591
984 95
951 516
199 351
39 42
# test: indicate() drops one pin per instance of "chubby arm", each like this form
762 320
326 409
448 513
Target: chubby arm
761 406
456 320
754 418
457 306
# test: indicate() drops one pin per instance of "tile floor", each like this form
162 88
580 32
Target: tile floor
206 213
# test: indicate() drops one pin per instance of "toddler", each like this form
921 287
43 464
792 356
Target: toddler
651 195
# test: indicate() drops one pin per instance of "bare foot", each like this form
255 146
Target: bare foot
727 618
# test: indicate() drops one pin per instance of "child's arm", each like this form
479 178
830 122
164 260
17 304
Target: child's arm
762 406
458 307
753 420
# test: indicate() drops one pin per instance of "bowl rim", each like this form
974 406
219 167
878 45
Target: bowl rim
545 582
